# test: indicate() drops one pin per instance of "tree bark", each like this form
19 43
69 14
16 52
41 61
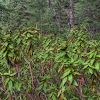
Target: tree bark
71 13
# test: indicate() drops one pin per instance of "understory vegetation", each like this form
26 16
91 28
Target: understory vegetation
45 67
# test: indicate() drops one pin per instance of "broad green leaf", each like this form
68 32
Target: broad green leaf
10 85
85 66
9 71
91 70
82 44
16 86
47 43
31 32
50 95
12 79
70 78
5 74
6 43
97 65
48 77
98 56
11 46
45 84
6 81
57 57
63 88
13 74
39 37
86 72
20 84
75 83
45 90
16 37
68 69
51 48
75 56
10 54
60 67
59 93
8 95
67 72
53 97
18 41
63 81
28 42
2 50
95 53
92 61
77 73
91 55
8 35
62 54
5 53
95 73
28 35
74 98
40 87
86 63
72 60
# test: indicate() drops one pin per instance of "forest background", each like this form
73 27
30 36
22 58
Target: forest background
51 16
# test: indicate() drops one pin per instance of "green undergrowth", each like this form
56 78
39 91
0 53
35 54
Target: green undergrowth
35 67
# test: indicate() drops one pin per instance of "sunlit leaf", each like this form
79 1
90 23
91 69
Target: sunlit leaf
92 61
10 85
70 78
77 73
97 66
10 54
63 88
18 40
5 74
40 87
53 97
67 72
59 93
64 81
6 81
6 43
13 74
91 70
75 83
5 53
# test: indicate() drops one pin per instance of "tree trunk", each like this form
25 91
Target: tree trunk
71 13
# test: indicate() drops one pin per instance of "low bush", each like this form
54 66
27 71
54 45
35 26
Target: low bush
35 67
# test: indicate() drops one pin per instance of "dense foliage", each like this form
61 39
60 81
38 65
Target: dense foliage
36 67
59 60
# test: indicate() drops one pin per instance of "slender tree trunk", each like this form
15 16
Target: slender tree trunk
59 14
71 13
40 8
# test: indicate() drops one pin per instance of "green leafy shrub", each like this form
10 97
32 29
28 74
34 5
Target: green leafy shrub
48 67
